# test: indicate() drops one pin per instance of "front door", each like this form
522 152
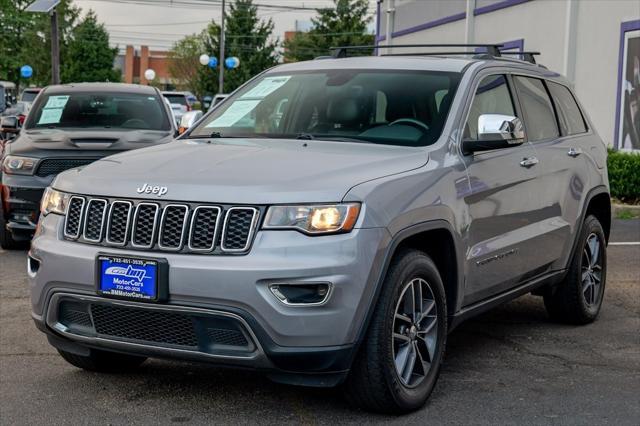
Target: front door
501 245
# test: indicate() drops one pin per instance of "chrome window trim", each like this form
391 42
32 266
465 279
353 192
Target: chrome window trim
184 225
104 215
126 234
215 231
153 228
252 228
80 220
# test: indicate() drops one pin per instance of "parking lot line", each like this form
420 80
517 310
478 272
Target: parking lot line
625 243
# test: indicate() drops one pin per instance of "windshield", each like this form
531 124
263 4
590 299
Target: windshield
29 95
177 99
105 110
407 108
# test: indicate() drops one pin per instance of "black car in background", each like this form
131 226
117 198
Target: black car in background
71 126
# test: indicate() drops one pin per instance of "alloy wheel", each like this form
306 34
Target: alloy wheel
415 332
592 270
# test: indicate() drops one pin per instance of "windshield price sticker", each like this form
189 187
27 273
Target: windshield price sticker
234 113
51 115
57 101
267 86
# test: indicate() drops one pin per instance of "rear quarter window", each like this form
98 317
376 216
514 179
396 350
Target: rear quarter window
569 115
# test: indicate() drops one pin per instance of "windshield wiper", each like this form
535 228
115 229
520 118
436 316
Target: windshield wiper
305 136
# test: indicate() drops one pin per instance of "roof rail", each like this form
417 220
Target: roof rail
526 56
342 51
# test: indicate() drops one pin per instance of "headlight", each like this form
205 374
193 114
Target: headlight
14 164
315 219
54 202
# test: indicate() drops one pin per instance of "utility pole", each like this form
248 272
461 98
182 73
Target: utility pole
55 49
391 11
469 27
221 61
49 6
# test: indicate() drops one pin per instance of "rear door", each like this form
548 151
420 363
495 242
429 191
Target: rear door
501 243
565 160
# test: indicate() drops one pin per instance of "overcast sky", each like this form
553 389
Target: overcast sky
158 23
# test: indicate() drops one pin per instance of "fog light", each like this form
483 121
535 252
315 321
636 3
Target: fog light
302 294
33 265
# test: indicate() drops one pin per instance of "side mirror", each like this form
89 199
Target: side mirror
495 131
188 120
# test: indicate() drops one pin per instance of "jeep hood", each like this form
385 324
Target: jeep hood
244 171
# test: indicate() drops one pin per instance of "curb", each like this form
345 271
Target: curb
616 208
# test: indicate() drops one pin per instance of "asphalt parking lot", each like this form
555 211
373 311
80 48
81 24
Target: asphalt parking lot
509 366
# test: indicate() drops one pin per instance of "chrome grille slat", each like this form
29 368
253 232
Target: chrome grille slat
73 217
94 216
203 229
144 225
161 225
172 226
118 222
238 228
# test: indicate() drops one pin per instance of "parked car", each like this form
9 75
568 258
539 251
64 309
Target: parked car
217 99
29 94
330 223
71 126
19 110
180 102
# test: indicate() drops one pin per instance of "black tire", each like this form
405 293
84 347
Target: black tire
374 382
569 301
103 362
6 239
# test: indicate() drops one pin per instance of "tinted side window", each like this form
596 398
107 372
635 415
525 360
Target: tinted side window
539 118
569 114
492 97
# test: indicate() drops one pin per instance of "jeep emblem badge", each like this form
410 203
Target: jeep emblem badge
148 189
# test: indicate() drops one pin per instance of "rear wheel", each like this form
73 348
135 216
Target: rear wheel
102 361
578 298
399 361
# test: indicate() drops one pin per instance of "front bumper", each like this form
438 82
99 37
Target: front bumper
21 207
209 288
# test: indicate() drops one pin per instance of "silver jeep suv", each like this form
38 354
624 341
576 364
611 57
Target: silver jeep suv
330 223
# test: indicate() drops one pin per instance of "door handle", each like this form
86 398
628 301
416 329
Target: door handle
573 152
529 162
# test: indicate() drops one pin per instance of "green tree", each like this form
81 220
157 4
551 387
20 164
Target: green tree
89 56
344 24
25 39
184 62
246 36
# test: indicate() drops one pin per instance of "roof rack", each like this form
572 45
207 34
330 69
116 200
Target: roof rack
492 51
342 51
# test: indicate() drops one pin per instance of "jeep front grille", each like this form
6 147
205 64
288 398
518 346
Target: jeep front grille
53 166
163 226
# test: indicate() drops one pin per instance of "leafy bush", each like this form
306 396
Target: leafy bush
624 176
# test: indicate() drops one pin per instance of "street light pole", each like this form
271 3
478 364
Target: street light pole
55 49
221 61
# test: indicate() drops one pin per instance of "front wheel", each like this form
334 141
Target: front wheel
399 362
578 298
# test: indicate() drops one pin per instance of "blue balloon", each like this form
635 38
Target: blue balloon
213 62
232 62
26 71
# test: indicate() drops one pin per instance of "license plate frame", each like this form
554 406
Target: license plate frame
157 268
